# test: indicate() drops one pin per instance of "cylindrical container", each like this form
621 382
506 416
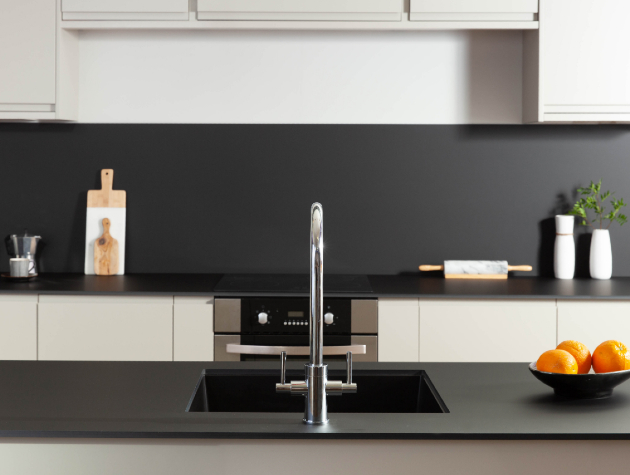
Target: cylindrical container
19 267
564 249
600 262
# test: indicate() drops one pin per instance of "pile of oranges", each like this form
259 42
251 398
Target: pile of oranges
573 357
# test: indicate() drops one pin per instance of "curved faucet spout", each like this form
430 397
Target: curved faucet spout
316 319
316 385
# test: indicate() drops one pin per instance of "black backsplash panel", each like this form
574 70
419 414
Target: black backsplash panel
236 198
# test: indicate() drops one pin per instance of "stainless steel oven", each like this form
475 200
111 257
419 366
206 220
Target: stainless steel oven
259 328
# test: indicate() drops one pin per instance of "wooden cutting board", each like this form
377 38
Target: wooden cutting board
102 204
106 252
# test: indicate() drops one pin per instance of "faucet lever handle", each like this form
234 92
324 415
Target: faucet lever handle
283 367
349 367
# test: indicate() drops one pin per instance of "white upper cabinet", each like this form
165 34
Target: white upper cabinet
584 65
473 10
318 10
125 9
27 56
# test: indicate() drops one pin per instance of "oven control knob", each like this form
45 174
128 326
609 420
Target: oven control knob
328 318
263 318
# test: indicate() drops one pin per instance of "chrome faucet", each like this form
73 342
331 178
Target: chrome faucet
316 384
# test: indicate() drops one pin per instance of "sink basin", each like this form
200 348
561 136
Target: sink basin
385 391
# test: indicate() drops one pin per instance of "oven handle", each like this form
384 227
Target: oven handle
292 350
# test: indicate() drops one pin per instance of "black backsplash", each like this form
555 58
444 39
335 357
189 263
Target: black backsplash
236 198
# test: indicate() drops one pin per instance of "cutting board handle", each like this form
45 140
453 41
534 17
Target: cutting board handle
428 268
520 268
107 179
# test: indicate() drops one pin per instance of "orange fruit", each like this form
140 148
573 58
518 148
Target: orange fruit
612 355
557 361
580 352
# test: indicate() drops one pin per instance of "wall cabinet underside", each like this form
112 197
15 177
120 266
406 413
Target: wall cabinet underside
317 10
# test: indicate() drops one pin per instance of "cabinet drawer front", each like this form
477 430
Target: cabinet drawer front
18 330
124 9
193 335
494 333
593 322
299 10
398 330
474 6
105 331
584 46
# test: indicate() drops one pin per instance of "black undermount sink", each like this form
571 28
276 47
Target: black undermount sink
379 391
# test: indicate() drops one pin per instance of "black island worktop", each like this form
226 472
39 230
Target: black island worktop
486 401
401 286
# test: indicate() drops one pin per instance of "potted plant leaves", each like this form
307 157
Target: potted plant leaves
592 198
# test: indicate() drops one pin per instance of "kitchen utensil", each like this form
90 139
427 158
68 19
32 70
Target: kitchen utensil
475 269
582 386
110 204
106 252
8 276
19 266
24 246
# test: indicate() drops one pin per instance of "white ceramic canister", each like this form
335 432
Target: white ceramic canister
564 249
600 262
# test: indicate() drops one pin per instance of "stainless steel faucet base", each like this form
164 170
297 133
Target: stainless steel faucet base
316 384
316 409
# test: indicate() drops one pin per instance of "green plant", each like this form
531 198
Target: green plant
593 198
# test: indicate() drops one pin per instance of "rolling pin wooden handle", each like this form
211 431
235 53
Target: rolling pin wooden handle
520 268
107 179
426 268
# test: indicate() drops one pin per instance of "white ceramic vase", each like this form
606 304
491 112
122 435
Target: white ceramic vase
564 249
600 262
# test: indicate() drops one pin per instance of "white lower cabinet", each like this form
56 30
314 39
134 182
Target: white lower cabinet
18 327
193 332
486 330
398 330
593 322
105 328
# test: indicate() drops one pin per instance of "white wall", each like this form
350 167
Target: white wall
300 77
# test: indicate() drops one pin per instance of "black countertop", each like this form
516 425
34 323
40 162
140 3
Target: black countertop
148 400
382 286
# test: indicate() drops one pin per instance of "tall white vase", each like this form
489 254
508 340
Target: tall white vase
564 249
600 262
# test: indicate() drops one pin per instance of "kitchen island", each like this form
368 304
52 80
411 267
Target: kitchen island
130 417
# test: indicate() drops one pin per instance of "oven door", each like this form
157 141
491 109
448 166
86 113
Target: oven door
268 347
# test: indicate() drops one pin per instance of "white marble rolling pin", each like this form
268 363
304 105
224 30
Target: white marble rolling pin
476 269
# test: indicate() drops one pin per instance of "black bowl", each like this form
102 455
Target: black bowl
582 386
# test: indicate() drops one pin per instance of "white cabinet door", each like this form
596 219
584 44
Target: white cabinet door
332 10
193 334
124 9
18 327
398 330
105 328
27 55
473 10
593 322
585 63
486 330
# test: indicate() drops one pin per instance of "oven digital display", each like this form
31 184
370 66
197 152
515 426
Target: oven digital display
296 314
